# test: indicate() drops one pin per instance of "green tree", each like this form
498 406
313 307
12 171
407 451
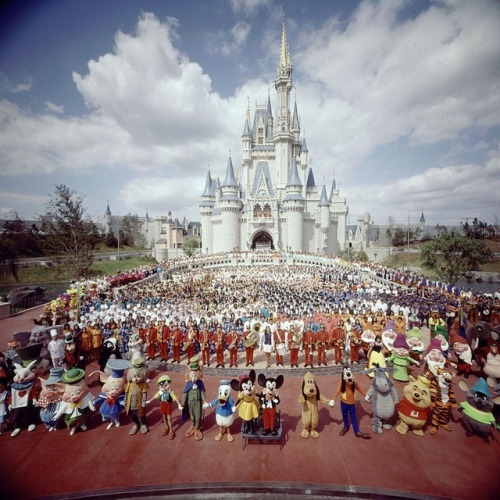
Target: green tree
190 246
451 255
110 240
132 231
69 233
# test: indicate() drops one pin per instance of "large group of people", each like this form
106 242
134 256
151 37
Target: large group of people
290 315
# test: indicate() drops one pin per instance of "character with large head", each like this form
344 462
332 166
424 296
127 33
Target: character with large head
193 396
166 395
269 399
112 396
225 409
50 398
136 391
415 406
308 399
77 401
248 408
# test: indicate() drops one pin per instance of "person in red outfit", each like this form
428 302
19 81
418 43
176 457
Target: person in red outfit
308 340
176 339
205 339
323 343
220 346
232 340
163 336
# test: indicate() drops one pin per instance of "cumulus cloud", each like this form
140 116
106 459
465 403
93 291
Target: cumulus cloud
11 87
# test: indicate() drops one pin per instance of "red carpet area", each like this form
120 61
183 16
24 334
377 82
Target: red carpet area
102 463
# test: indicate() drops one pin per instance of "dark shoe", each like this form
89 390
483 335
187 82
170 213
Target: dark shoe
362 435
274 433
265 432
343 431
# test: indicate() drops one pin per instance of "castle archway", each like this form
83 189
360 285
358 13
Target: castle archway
262 241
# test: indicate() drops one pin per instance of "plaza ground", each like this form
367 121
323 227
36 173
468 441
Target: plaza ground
111 464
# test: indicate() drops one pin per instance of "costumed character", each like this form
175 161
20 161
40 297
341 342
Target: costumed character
435 320
50 398
166 395
248 405
309 397
135 347
492 365
269 399
4 396
375 355
443 399
367 339
25 389
193 397
477 411
77 400
463 354
414 339
224 412
347 389
383 396
478 336
401 358
388 337
112 396
414 408
434 358
109 350
136 391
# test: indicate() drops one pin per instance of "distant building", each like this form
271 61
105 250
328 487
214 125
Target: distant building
163 234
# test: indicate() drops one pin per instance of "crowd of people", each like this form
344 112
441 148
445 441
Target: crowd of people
292 315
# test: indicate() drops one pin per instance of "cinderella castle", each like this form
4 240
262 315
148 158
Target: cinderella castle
274 203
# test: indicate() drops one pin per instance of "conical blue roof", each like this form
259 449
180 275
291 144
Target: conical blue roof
208 185
230 179
310 180
294 179
324 201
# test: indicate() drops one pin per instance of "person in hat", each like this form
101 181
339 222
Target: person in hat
434 357
77 401
193 397
25 389
112 395
225 409
56 348
400 358
136 392
166 395
50 398
463 354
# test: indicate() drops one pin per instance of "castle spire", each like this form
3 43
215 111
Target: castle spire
285 61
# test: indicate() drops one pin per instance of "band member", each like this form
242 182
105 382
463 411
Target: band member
266 344
205 339
309 340
163 337
279 344
354 346
338 341
176 339
151 339
323 343
232 340
250 339
190 338
294 343
220 344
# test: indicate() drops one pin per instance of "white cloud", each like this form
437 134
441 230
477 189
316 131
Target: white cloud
11 87
54 108
248 7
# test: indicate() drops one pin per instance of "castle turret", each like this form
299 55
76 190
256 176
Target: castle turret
294 205
206 210
230 205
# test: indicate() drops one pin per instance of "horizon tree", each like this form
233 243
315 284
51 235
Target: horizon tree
68 232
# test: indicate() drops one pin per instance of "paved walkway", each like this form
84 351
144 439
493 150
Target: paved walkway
111 464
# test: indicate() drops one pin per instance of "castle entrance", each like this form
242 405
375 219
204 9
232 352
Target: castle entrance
262 241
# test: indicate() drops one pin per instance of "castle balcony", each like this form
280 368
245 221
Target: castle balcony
262 221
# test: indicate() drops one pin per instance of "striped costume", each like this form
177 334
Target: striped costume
443 400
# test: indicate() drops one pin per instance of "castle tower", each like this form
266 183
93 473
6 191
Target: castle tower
293 205
206 210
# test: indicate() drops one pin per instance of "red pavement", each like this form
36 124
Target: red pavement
99 463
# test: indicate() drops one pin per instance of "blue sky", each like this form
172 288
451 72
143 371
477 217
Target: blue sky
131 101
